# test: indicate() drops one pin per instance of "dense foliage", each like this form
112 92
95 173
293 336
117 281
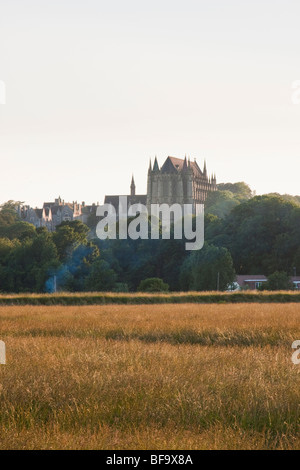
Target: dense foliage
244 234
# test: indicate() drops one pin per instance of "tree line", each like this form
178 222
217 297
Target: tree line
244 234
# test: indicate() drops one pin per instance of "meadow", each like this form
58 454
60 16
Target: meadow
169 376
142 298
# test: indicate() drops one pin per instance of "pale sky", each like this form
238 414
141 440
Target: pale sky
95 88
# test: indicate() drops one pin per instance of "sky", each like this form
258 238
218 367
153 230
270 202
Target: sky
94 89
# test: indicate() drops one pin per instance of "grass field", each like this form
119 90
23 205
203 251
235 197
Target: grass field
140 298
166 376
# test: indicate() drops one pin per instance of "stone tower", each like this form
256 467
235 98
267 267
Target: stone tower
179 181
132 187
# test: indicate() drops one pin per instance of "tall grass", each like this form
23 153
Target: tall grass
110 298
150 377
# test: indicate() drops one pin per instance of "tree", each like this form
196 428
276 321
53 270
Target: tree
80 229
228 196
25 265
68 236
11 225
153 284
241 190
101 277
261 234
8 213
20 231
169 258
220 203
278 281
7 249
76 253
208 269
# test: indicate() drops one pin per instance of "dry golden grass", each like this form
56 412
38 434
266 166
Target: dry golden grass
150 377
139 298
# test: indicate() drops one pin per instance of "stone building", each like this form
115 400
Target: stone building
178 181
37 217
54 213
132 198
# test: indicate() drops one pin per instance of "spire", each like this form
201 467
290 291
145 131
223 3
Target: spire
185 166
132 187
150 166
155 166
205 169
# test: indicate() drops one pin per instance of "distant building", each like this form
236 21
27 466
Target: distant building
86 211
178 181
250 281
37 217
254 282
54 213
132 198
296 282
